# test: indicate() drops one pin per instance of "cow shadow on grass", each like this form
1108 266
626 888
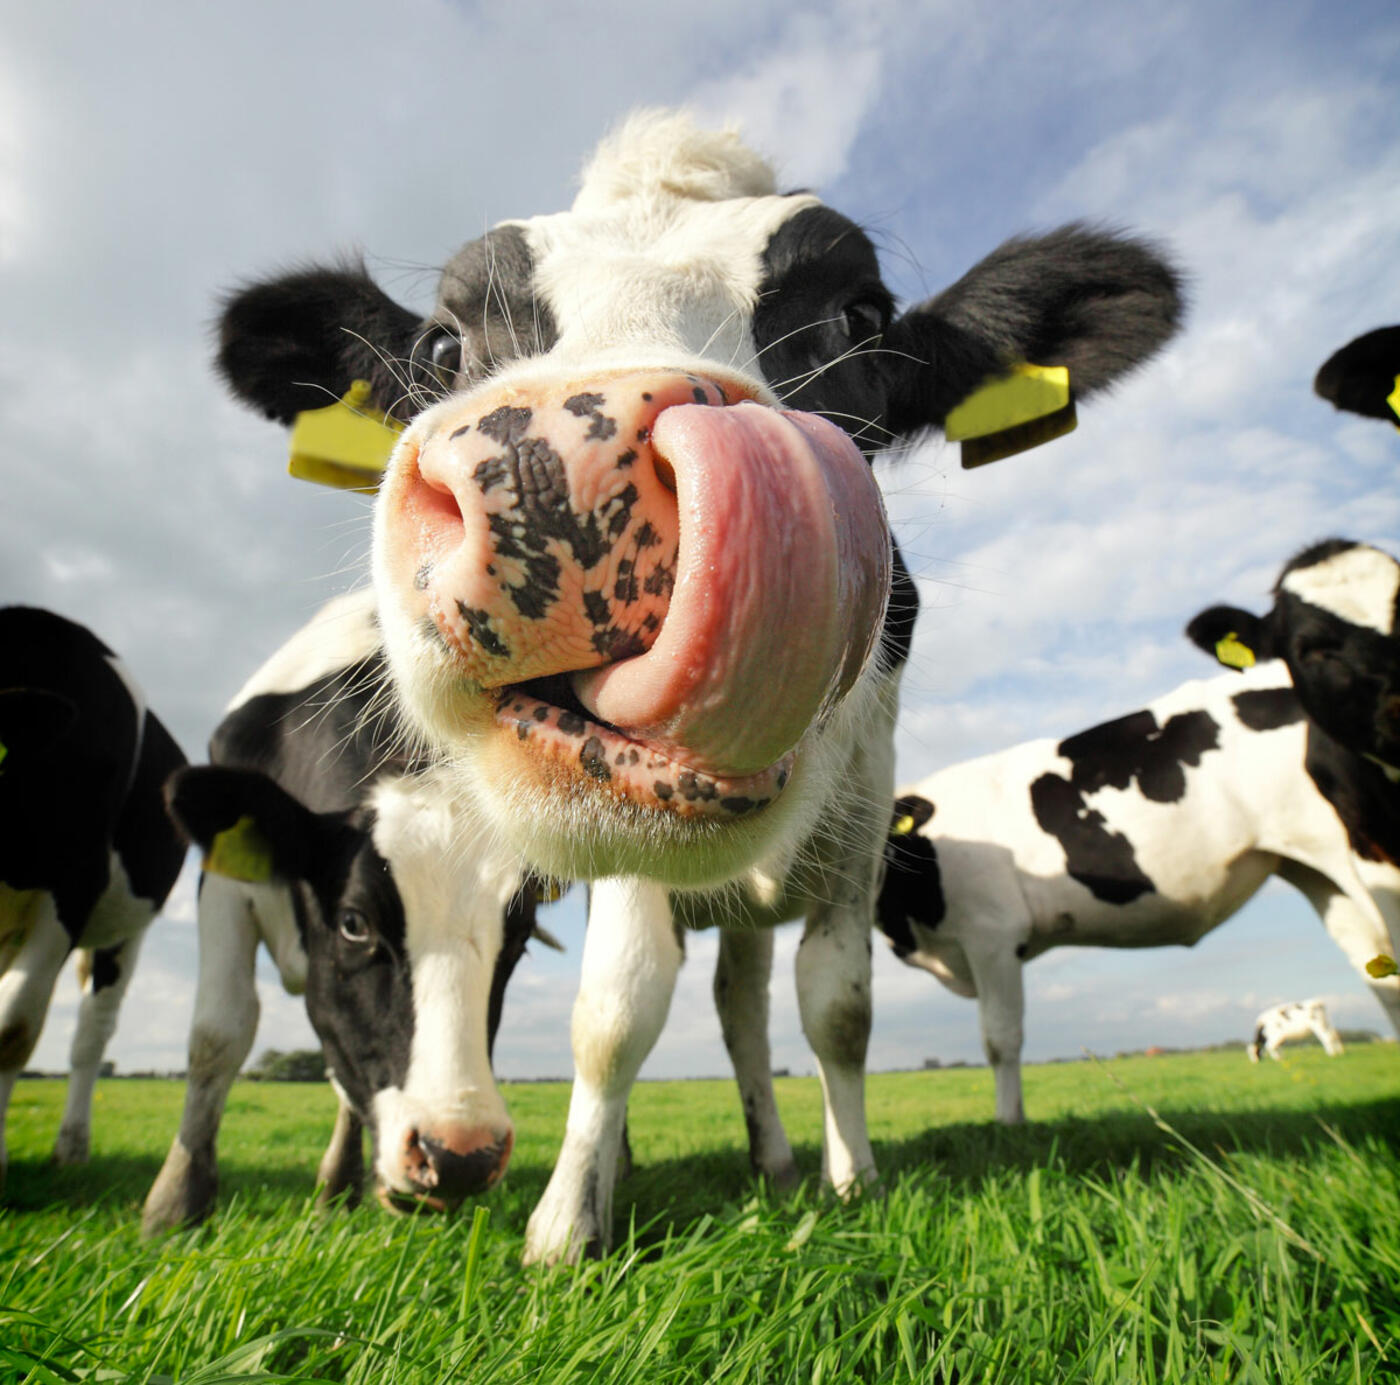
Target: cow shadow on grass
960 1158
121 1182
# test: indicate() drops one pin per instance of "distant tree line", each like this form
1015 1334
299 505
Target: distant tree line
300 1065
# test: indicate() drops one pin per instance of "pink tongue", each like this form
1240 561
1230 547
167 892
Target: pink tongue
781 584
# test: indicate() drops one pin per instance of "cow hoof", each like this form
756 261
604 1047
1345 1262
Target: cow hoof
342 1197
552 1240
783 1178
182 1195
71 1147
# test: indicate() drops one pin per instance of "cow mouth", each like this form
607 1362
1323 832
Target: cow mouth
547 713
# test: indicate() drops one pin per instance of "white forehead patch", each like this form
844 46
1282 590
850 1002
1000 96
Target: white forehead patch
664 154
659 260
1358 585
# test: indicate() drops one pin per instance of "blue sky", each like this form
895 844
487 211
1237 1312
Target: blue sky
151 157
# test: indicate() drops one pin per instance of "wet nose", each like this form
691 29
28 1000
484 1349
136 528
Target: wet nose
448 1165
542 529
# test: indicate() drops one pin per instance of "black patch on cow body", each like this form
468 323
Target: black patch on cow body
1134 747
1267 709
89 787
1131 749
1117 754
106 970
1102 861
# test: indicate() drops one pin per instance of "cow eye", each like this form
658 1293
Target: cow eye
1315 651
354 926
864 319
445 354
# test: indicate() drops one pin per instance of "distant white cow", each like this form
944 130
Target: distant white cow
1294 1019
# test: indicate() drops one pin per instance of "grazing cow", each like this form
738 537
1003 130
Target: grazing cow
1147 830
1364 376
323 843
1294 1019
87 855
635 582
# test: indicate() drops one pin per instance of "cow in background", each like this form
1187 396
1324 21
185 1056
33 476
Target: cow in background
635 582
87 855
312 819
1294 1019
1149 830
1364 376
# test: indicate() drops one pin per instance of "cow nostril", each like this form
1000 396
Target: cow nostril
457 1175
665 472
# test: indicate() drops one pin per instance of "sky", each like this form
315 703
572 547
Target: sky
153 156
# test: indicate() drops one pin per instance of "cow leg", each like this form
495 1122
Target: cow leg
742 972
1358 928
341 1175
631 954
105 974
1328 1037
221 1035
1001 1007
833 998
27 986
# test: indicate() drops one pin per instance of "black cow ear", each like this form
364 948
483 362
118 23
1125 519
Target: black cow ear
1235 638
32 720
1364 376
248 827
910 813
298 342
1094 301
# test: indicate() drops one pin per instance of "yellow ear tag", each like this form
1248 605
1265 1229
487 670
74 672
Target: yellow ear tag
548 889
903 826
241 852
346 444
1023 409
1382 965
1393 399
1233 653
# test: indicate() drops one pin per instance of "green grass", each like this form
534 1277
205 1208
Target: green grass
1256 1240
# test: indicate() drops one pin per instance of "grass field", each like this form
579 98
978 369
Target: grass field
1255 1240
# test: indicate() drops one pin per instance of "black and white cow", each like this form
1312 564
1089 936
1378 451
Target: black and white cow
1294 1019
1149 830
87 855
635 581
326 840
1364 376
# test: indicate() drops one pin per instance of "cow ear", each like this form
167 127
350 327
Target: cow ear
300 341
1096 302
248 826
1364 376
1235 638
32 720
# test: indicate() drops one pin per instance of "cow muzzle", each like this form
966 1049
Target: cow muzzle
648 583
440 1170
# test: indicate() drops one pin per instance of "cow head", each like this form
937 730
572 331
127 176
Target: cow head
1334 622
392 1010
632 569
